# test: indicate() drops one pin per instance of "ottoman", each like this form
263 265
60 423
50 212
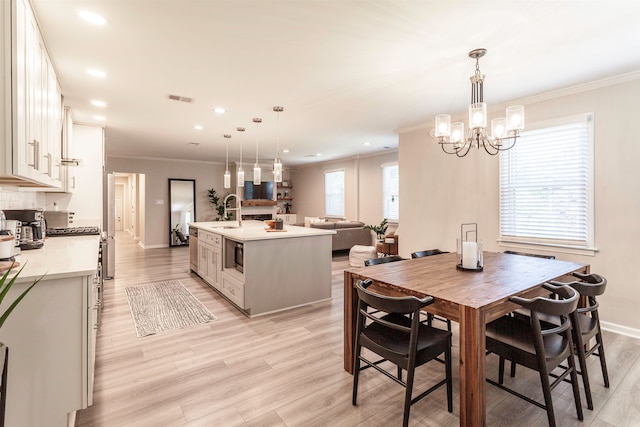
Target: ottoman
359 254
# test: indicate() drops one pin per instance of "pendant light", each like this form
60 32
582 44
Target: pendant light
277 163
240 170
227 174
257 172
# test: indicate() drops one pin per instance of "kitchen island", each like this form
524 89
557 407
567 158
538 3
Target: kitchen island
262 271
51 333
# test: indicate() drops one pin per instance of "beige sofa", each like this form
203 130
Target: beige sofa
348 233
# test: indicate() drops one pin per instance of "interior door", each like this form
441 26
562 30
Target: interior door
119 214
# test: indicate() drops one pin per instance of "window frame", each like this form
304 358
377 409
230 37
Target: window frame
326 195
385 213
588 248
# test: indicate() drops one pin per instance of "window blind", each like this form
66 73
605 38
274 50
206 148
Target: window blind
390 191
334 193
546 185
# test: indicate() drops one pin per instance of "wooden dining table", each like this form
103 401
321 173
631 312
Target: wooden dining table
470 298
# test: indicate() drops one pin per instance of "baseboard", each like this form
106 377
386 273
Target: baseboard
620 329
143 246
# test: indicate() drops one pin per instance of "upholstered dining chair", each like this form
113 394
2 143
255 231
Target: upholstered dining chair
431 317
538 345
393 332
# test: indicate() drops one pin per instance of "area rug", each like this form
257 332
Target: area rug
164 306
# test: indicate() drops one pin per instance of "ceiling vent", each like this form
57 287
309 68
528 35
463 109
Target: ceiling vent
180 98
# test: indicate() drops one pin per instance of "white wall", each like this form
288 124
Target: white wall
447 190
363 187
86 199
154 232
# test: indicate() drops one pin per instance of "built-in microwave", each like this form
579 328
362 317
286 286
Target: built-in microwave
234 255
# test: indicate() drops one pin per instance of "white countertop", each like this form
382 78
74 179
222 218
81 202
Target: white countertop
256 230
60 257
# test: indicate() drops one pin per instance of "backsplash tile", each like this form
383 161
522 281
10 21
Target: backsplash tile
13 198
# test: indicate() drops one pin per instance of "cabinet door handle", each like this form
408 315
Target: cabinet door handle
36 154
49 158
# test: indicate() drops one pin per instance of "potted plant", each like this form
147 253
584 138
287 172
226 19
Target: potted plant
380 230
287 207
217 203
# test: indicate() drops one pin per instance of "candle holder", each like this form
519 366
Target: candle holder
469 248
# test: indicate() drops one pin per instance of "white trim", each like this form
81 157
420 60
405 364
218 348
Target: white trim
588 248
143 246
548 247
620 329
384 165
333 170
161 159
579 88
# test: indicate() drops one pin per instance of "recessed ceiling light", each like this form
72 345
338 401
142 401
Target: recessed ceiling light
198 127
195 144
286 150
366 143
318 154
219 110
101 118
98 103
96 73
92 18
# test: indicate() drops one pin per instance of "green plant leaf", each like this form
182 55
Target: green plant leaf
6 286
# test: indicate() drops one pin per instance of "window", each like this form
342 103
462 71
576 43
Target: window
390 192
334 193
546 185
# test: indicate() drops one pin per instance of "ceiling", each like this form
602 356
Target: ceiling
346 72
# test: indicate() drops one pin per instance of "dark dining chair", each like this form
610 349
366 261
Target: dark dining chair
393 331
382 260
528 254
431 317
538 345
586 326
428 252
522 311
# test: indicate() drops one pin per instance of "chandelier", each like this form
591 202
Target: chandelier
504 131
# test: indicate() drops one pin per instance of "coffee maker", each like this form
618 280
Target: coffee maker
32 231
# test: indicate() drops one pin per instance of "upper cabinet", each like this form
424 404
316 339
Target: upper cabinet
32 110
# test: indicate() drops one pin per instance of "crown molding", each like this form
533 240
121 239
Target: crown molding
554 94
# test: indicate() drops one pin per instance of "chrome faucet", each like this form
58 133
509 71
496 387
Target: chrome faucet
237 208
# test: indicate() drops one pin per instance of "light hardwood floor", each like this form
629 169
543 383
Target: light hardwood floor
285 369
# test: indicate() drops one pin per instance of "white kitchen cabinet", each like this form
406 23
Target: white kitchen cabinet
290 219
33 117
202 257
51 334
233 288
86 179
210 258
68 173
